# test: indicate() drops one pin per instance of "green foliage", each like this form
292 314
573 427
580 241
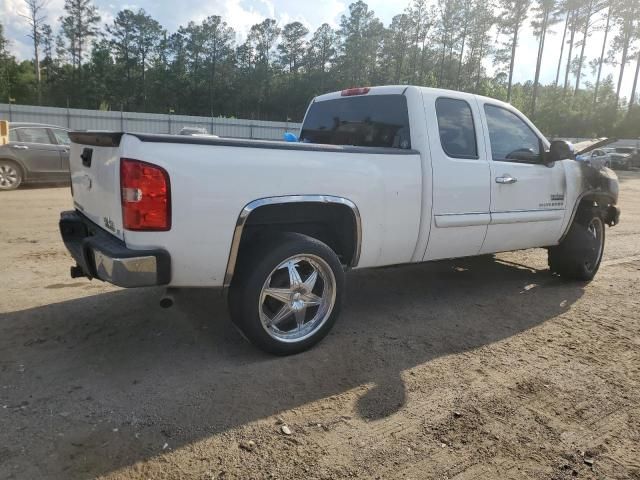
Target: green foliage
134 64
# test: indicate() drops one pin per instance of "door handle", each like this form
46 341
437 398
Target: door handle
20 147
506 179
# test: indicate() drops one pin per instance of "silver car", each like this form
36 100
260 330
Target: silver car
35 153
597 158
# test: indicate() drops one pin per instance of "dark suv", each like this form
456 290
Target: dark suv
35 153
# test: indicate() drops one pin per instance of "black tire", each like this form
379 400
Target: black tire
579 254
260 265
10 175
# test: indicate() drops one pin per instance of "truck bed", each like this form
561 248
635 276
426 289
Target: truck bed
214 179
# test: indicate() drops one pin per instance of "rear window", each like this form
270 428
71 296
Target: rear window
364 121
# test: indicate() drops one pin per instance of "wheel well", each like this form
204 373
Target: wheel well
602 202
596 200
333 224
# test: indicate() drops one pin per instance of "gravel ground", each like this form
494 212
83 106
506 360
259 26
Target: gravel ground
469 369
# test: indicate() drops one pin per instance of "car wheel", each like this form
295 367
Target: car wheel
287 293
10 175
579 254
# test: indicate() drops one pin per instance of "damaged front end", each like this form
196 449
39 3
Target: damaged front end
592 185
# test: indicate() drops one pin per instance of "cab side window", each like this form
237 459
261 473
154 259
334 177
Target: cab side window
34 135
455 124
511 138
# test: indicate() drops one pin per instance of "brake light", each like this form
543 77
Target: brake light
349 92
146 196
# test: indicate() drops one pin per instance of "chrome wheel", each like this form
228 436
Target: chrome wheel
596 230
297 298
9 176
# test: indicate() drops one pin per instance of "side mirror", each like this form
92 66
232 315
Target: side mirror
290 137
560 150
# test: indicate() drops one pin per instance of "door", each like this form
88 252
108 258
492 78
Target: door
63 143
527 195
37 151
460 176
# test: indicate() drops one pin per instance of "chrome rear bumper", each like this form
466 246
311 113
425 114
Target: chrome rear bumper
101 255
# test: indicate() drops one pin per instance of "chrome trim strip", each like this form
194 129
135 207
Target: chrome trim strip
462 219
250 207
527 216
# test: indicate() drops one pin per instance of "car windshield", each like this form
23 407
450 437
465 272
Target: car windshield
367 121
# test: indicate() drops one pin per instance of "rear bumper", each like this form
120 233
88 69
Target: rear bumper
103 256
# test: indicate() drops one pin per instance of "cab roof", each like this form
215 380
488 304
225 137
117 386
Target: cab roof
401 89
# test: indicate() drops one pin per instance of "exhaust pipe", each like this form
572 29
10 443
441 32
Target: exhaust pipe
167 300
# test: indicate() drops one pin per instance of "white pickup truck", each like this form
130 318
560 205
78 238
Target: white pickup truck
380 176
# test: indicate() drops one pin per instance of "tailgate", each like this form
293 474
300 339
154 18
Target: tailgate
95 178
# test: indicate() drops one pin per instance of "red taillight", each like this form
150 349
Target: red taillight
349 92
146 196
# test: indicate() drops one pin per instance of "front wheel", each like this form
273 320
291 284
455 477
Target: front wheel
287 293
578 256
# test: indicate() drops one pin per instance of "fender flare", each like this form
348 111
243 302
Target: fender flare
261 202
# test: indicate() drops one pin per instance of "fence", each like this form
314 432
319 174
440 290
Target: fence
77 119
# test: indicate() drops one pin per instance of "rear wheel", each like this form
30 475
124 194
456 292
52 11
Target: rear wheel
287 293
10 175
579 255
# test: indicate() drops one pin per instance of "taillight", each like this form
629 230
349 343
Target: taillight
349 92
146 196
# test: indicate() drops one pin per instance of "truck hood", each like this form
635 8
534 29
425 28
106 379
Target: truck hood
587 145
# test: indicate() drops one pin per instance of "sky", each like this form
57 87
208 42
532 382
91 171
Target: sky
241 14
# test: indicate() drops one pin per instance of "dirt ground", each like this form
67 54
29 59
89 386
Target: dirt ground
484 368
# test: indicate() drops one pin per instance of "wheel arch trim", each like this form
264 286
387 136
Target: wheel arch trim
261 202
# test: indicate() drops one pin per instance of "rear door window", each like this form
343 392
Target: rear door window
455 124
366 121
34 135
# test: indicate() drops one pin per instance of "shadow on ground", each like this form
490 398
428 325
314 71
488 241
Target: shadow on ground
73 372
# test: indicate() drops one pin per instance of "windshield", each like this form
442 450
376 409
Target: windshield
366 121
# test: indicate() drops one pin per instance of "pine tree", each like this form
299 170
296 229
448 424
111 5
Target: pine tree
544 11
79 27
514 13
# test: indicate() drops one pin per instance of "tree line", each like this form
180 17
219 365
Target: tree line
135 64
